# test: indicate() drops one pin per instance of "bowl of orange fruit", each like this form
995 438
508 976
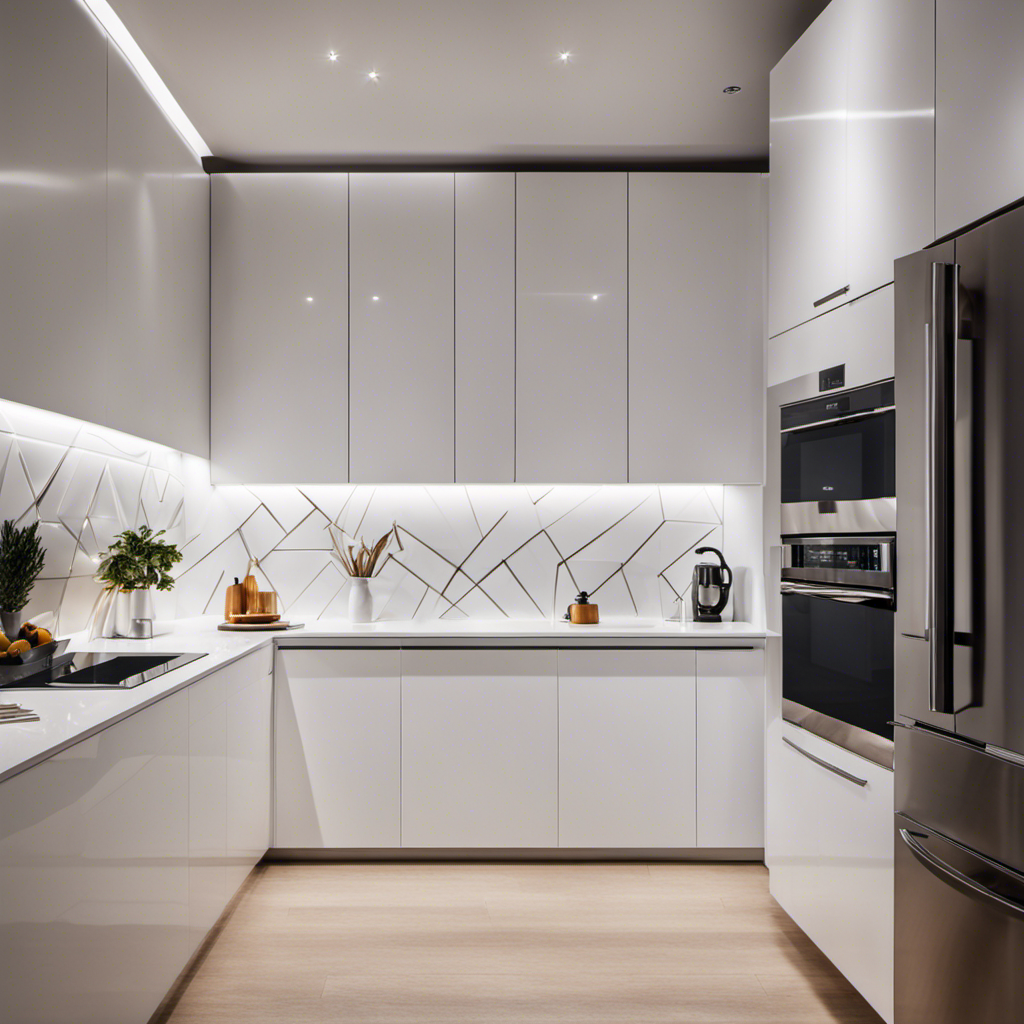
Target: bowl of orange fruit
33 643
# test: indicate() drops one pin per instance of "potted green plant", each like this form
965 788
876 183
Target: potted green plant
137 563
21 562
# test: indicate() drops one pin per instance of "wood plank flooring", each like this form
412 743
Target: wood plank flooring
504 943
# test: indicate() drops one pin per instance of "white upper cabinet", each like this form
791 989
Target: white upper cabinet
402 327
158 285
696 270
279 286
890 134
571 363
807 259
485 327
979 97
852 155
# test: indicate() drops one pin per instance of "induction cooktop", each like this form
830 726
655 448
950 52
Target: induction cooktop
92 670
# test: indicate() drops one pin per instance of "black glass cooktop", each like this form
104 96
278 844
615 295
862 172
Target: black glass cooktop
89 670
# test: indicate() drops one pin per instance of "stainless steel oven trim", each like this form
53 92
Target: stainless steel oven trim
850 417
864 515
872 747
879 579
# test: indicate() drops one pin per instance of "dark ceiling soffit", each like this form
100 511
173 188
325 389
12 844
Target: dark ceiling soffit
224 165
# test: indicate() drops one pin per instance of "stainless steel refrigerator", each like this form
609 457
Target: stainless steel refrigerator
959 648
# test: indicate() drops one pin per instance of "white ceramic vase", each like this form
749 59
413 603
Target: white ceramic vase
360 600
130 609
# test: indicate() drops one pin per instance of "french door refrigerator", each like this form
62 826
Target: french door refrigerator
959 636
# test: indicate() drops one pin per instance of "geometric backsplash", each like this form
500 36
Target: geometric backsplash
481 551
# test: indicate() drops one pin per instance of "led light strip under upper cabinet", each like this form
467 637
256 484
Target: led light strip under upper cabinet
117 32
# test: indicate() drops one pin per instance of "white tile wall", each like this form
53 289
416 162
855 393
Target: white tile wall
487 551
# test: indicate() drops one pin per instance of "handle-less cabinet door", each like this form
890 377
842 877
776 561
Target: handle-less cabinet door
890 136
696 267
158 275
279 328
479 748
338 748
626 750
94 886
979 95
807 190
730 748
402 327
485 327
571 364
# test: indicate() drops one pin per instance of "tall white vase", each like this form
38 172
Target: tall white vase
360 600
131 609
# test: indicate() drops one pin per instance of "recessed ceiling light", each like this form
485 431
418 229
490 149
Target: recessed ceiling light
309 298
565 56
376 298
729 90
373 76
594 298
332 56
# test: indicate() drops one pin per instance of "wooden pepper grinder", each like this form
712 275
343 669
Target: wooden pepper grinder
251 588
234 600
582 613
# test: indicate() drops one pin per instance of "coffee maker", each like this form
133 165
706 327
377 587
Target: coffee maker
710 588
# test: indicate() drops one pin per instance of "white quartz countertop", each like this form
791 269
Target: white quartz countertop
67 716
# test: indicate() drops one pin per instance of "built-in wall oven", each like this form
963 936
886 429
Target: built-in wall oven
838 579
838 601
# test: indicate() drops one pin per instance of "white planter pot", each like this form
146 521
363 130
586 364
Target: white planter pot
131 610
360 600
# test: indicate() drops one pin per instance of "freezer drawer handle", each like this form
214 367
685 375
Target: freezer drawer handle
825 764
958 880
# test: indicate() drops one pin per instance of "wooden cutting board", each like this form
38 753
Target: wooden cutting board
252 627
253 618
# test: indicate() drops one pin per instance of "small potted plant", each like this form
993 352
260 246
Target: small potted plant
21 562
137 563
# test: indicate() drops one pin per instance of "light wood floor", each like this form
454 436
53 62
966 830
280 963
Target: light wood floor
526 943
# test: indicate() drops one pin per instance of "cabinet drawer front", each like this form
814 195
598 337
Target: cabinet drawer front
479 749
831 864
626 749
338 748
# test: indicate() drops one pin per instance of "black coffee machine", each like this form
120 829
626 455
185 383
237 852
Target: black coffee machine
710 588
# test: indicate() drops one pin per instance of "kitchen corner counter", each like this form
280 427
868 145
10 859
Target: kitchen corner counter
69 716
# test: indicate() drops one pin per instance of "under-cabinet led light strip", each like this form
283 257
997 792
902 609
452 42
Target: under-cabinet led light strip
115 29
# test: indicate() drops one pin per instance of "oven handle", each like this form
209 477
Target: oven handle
962 882
850 594
848 418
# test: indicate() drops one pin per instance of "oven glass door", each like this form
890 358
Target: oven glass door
837 659
848 460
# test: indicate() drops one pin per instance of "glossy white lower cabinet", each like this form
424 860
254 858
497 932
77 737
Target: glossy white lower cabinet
479 748
94 905
627 731
207 805
830 850
248 747
338 735
730 748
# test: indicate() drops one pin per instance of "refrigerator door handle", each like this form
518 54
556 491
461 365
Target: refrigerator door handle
941 391
965 883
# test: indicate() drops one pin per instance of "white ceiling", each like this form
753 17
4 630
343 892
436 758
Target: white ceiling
471 80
